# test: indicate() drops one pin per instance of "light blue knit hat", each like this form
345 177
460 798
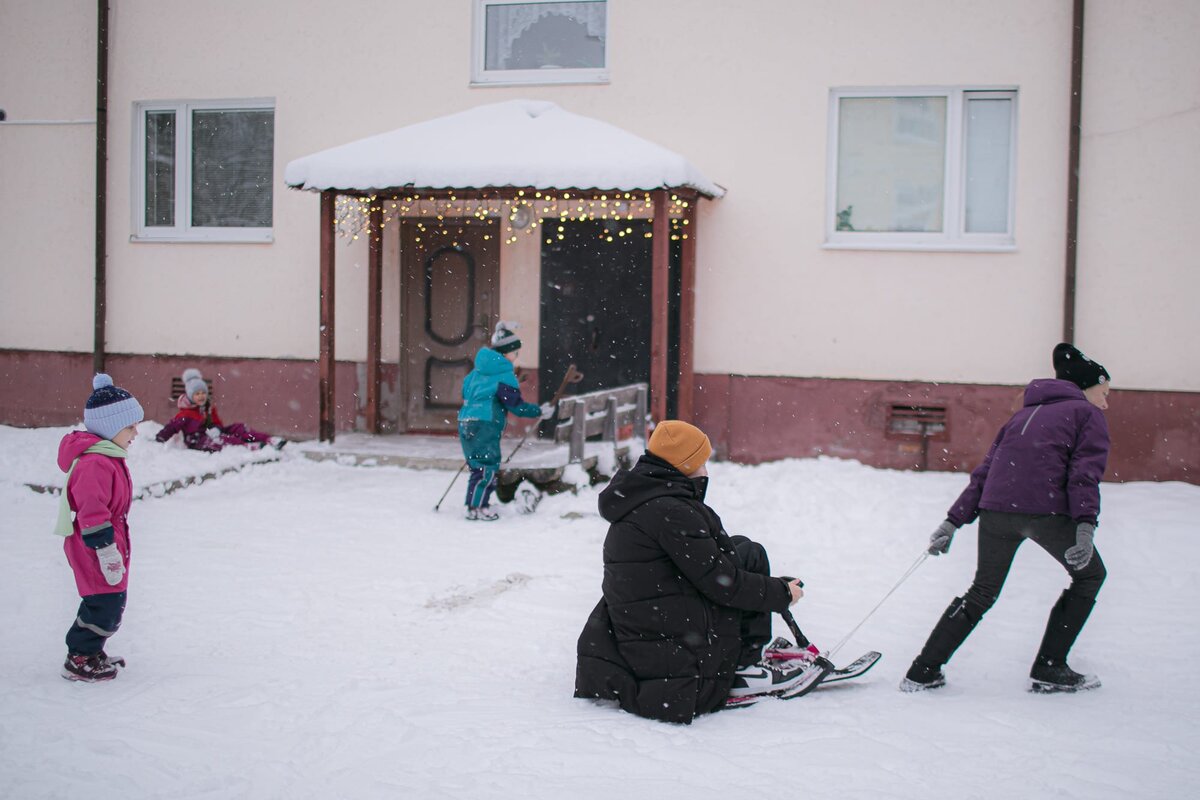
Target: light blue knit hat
110 409
193 382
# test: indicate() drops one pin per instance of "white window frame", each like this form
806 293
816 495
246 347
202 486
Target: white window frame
182 230
953 236
480 76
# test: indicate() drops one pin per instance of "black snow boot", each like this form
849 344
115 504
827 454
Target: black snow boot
956 624
1050 672
1048 677
921 677
1067 618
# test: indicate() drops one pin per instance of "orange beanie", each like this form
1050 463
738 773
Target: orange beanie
680 444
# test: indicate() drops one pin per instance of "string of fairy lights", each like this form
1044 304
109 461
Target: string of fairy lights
527 213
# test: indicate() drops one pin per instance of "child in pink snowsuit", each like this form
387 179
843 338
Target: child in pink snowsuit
197 416
98 491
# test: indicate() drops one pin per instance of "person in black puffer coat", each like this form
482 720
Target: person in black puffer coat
685 605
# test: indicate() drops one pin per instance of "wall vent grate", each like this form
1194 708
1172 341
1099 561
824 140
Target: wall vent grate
926 421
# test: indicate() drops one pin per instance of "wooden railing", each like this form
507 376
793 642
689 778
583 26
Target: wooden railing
611 414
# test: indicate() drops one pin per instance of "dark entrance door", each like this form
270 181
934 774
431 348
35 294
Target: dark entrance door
450 282
595 304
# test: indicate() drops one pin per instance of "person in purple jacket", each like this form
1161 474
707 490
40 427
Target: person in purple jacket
96 541
1040 480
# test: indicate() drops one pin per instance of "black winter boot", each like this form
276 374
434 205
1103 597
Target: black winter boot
1048 677
921 677
1050 672
956 624
1067 619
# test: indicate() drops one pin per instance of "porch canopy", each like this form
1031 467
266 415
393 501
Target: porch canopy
502 149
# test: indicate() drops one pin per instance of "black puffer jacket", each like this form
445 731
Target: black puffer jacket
665 639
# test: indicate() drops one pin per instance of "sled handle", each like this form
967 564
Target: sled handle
797 634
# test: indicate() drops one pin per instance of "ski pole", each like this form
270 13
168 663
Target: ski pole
572 376
451 486
920 560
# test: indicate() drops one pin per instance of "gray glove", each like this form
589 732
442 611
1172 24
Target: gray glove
939 542
1080 555
549 410
112 566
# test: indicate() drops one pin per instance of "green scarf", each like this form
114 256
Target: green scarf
104 447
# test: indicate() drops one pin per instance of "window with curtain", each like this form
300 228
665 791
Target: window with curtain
207 171
540 42
922 168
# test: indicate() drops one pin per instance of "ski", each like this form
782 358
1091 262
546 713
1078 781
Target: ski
854 669
783 650
813 677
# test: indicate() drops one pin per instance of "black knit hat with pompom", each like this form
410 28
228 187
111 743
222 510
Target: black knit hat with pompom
1072 365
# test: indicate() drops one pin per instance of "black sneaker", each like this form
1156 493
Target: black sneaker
90 668
921 677
767 677
1047 677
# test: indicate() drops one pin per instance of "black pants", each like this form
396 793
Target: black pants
756 626
99 617
1002 533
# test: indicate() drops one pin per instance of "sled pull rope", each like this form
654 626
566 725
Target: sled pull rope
920 560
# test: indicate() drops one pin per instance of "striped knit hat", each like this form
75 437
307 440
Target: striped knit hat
110 409
505 340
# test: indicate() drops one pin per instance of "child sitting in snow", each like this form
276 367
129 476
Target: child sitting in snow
201 425
98 491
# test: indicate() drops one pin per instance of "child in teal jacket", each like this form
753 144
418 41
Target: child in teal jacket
490 392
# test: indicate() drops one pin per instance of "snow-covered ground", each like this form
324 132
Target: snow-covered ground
311 630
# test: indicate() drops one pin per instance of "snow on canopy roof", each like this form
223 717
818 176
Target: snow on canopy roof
518 143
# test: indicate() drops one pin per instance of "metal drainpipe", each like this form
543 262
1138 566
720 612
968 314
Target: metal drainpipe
1073 170
98 354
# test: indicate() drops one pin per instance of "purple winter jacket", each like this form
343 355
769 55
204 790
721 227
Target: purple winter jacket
1047 459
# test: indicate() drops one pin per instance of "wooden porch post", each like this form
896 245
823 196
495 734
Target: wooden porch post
326 366
374 314
684 401
660 257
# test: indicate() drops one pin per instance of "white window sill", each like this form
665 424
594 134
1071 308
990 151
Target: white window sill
267 237
557 82
944 247
535 77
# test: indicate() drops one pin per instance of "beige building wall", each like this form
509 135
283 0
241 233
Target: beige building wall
801 310
1139 250
47 174
743 94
